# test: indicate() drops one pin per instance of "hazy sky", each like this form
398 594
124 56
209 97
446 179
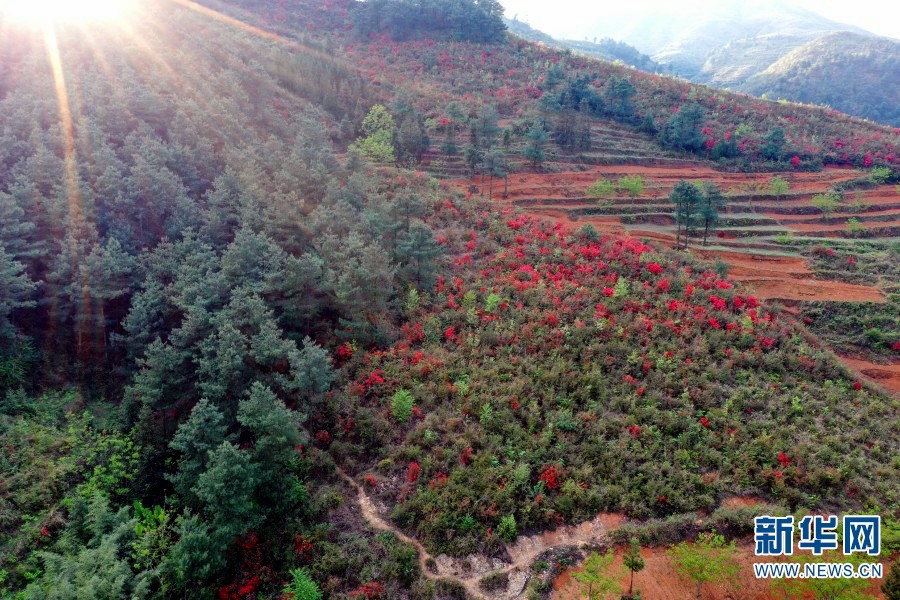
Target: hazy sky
573 18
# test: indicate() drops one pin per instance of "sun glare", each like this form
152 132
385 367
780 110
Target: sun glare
64 11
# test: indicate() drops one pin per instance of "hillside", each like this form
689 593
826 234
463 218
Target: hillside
321 299
688 38
776 49
856 74
731 65
606 49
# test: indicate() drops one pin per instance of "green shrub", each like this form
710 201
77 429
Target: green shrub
302 587
508 530
402 404
601 188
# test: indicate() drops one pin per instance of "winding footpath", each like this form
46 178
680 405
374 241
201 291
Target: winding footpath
523 553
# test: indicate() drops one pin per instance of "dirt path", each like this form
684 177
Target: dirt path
658 581
886 376
374 519
468 572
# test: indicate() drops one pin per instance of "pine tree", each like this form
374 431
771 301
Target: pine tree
773 147
275 433
683 128
416 251
687 199
534 152
203 432
197 557
226 491
712 203
16 292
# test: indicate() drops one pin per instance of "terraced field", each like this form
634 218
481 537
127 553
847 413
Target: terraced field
761 236
619 144
754 220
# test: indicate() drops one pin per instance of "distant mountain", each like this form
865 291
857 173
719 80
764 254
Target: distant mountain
721 44
856 74
771 47
735 62
606 48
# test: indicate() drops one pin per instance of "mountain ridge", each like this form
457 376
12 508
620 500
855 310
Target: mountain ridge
856 74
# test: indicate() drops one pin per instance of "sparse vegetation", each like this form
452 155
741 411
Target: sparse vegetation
598 577
600 189
710 558
826 203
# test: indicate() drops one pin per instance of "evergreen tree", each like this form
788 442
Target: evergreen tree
16 232
687 199
412 139
617 96
275 433
495 165
203 432
314 370
712 203
534 152
226 491
683 129
197 557
16 292
773 146
416 251
98 567
565 134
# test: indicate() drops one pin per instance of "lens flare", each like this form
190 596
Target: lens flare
64 11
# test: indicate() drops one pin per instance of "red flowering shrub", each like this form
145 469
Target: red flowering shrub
586 340
344 353
369 591
550 477
323 439
304 546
